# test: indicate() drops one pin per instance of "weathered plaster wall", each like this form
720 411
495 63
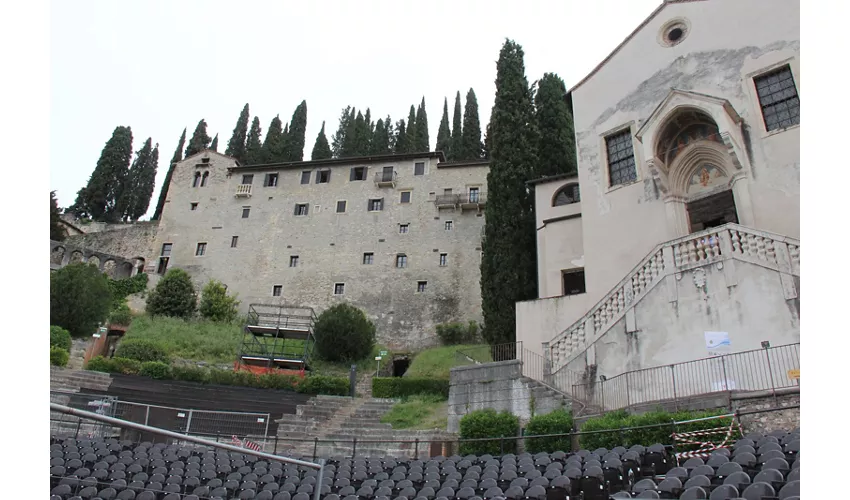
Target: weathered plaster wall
130 241
786 420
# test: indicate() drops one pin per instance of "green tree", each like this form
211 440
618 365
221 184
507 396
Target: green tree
346 119
100 197
381 143
508 265
401 138
457 130
140 182
254 145
199 141
236 144
274 144
486 150
216 305
412 127
80 298
321 150
56 231
390 131
423 142
214 143
358 141
444 134
557 137
297 133
163 191
470 141
174 296
60 337
344 333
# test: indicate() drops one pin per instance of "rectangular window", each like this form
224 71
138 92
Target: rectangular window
621 158
234 240
358 174
420 286
339 288
323 176
163 258
301 208
248 179
277 290
193 206
305 177
403 228
473 195
271 180
449 225
419 168
444 259
293 261
201 250
368 258
573 281
780 104
401 260
447 192
246 211
376 205
166 250
405 196
340 207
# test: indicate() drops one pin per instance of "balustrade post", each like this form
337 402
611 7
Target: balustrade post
628 392
770 370
547 361
725 377
675 397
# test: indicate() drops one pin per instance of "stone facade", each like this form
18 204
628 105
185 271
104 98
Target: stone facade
132 241
766 421
257 228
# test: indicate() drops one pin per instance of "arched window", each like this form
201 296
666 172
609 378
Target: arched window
197 180
567 195
204 178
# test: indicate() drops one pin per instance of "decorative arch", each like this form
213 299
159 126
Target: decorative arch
196 180
204 178
567 195
706 155
57 255
109 268
94 260
76 257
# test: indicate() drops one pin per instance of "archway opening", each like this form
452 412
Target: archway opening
400 366
712 211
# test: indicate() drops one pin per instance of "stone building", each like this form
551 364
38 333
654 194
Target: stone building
396 235
683 221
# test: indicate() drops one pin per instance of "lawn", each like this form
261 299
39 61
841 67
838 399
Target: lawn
418 413
194 340
342 369
438 361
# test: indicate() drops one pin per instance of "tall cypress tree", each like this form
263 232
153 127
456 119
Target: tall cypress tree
163 191
380 140
557 136
56 231
400 144
423 142
338 139
457 131
214 143
390 131
254 144
236 144
274 143
508 265
99 199
140 182
444 134
470 141
486 151
199 141
357 140
321 150
296 139
411 131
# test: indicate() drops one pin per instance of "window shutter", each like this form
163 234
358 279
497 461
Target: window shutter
382 203
329 175
296 209
306 208
351 177
266 181
318 175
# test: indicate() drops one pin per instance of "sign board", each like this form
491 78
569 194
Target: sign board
377 358
260 420
717 343
96 335
794 374
181 415
383 353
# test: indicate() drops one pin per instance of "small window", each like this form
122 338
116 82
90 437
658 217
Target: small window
201 249
204 179
405 196
234 240
193 206
205 160
340 206
271 180
358 174
403 228
302 208
305 177
277 290
376 205
248 179
339 288
323 176
419 168
196 181
246 211
474 195
368 258
567 195
444 259
621 158
293 261
573 281
780 103
420 286
449 225
401 260
166 250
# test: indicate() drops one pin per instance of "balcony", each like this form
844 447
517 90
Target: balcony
474 200
386 179
243 191
447 200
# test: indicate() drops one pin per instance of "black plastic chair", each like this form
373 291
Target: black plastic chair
724 492
648 494
694 493
791 489
670 486
757 491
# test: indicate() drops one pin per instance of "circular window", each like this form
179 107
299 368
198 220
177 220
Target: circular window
673 32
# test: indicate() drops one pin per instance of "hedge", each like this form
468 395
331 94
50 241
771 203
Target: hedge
58 356
123 287
488 424
648 436
60 337
156 370
556 422
399 387
141 350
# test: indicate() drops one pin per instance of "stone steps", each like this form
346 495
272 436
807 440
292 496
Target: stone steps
76 380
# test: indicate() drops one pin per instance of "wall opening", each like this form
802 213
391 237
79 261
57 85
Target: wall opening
573 281
712 211
400 366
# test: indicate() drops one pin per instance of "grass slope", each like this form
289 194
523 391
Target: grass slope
418 413
438 361
193 340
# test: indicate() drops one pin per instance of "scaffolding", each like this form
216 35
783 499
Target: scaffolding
277 337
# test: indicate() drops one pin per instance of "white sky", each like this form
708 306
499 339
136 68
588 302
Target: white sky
159 65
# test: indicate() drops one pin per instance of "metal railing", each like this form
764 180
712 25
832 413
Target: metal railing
386 177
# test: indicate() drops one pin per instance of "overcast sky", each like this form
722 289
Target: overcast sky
161 65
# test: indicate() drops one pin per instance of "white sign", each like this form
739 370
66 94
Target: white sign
717 343
181 415
261 420
377 358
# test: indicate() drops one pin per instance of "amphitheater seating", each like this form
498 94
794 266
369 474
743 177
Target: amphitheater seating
108 469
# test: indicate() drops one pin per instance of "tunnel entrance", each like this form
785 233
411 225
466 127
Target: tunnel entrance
400 365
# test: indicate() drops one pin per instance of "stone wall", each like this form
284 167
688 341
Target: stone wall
130 241
765 422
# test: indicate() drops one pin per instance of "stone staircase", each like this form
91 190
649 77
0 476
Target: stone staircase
67 380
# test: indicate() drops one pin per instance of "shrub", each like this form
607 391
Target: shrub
126 366
141 350
60 337
457 333
191 374
217 305
324 384
100 364
79 299
399 387
121 315
344 333
174 296
58 356
488 424
556 422
155 369
121 288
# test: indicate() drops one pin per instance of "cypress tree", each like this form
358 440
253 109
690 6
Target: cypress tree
423 142
321 150
508 265
56 231
285 144
370 125
411 131
273 145
457 131
379 143
253 144
557 137
390 131
486 151
140 182
163 191
357 141
100 197
296 139
470 140
199 141
338 139
400 143
214 143
444 134
236 144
